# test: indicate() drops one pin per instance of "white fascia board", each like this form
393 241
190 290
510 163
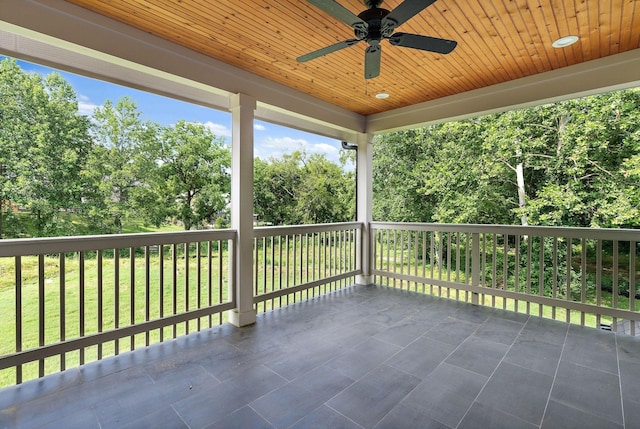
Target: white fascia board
297 121
619 71
71 38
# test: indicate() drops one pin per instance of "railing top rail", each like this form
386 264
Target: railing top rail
534 231
37 246
268 231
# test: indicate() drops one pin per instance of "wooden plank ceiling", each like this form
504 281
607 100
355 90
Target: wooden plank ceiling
498 41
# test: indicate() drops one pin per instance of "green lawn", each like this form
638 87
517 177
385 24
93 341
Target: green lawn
519 306
21 225
277 268
401 262
133 300
281 264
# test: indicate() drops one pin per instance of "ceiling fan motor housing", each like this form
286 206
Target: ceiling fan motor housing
374 32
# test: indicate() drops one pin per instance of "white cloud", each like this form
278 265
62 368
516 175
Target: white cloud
85 106
324 148
259 127
277 146
218 129
285 144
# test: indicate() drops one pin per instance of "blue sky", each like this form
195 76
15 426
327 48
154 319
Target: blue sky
270 140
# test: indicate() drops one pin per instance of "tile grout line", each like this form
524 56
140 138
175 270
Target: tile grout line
325 403
493 373
615 336
339 413
443 361
385 362
555 375
255 411
373 369
179 416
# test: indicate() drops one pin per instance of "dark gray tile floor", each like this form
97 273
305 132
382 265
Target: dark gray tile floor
362 357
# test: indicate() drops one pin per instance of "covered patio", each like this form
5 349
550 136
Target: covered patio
353 327
359 357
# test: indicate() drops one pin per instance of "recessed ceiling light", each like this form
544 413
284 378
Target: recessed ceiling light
565 41
382 95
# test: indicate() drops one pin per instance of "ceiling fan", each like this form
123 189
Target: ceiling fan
375 24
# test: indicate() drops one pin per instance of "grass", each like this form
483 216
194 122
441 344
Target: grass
140 226
21 225
520 306
132 299
278 267
281 263
401 262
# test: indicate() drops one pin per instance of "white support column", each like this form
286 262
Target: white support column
365 204
242 114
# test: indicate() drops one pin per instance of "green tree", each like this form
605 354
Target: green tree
117 165
397 180
520 141
573 163
588 180
276 184
298 189
194 173
44 143
438 173
326 193
466 183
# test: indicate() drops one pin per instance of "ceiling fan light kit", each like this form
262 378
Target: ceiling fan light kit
376 24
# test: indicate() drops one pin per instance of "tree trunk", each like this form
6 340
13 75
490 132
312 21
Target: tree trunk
437 249
1 201
521 192
563 121
188 214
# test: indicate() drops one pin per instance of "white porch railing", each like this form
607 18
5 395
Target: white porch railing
579 275
71 300
292 263
67 301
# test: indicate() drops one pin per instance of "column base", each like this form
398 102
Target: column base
245 318
364 280
475 298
